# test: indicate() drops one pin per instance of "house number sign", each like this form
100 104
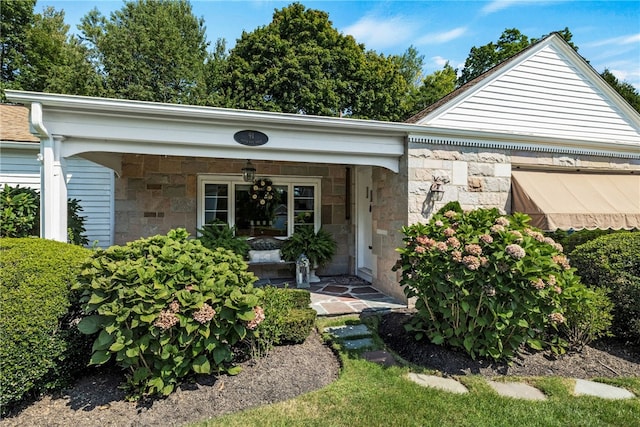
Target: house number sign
251 138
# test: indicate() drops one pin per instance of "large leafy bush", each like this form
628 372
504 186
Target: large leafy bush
488 283
612 262
167 307
41 348
20 215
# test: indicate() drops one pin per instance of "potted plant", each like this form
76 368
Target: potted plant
218 234
319 247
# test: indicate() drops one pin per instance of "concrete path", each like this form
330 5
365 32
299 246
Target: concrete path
359 337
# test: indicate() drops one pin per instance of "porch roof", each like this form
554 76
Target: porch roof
102 129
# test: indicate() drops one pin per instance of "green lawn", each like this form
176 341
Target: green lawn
367 394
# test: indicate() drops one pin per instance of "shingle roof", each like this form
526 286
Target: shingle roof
14 124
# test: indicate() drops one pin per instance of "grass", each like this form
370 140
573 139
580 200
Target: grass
367 394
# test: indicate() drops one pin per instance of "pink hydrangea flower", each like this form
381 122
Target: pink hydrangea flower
457 256
473 249
450 214
259 317
439 223
420 249
471 262
441 246
502 221
515 251
453 242
486 238
165 320
538 284
557 318
449 232
204 314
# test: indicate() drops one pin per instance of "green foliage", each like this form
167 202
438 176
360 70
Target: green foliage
166 307
150 50
20 215
450 206
218 234
41 349
625 89
319 247
300 63
612 262
288 318
19 212
486 283
588 314
570 239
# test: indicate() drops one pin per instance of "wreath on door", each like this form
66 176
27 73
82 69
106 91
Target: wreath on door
261 192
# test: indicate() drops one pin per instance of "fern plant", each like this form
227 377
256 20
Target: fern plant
218 234
319 247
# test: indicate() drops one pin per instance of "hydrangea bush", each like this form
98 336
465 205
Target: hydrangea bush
487 283
166 307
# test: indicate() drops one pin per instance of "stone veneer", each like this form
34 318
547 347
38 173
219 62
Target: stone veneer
158 193
481 177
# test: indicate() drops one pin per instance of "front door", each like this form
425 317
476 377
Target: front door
364 225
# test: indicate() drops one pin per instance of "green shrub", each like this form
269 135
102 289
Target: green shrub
167 307
298 325
19 212
41 349
588 314
218 234
288 318
20 215
570 239
613 262
485 283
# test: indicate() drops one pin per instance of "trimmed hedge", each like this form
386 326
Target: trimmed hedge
613 262
41 349
288 317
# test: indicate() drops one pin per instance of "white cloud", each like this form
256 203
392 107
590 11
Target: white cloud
498 5
443 37
378 33
617 41
439 61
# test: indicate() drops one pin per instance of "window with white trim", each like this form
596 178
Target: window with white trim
274 206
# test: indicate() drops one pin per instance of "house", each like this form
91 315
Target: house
516 135
93 185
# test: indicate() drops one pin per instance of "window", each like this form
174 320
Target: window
269 206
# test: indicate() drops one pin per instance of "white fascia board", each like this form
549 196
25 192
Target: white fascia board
17 145
117 126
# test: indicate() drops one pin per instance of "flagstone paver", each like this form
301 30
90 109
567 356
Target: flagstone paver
446 384
380 357
349 331
517 390
605 391
358 344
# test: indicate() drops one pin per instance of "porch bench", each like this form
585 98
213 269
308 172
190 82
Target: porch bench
265 259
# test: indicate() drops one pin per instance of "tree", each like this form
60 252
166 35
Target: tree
15 19
149 50
434 87
483 58
300 63
626 90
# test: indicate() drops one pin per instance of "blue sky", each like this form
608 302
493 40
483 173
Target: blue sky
606 32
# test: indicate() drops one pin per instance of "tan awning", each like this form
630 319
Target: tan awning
577 200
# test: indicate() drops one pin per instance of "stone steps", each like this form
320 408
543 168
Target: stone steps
359 337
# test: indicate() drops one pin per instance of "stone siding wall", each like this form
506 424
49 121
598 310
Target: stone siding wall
481 178
158 193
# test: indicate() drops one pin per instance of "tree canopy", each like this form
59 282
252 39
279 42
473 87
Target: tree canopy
150 50
299 63
156 50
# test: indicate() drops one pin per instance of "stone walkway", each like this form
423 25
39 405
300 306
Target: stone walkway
359 337
340 295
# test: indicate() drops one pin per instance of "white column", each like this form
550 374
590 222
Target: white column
53 191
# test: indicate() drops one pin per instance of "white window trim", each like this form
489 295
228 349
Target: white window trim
289 180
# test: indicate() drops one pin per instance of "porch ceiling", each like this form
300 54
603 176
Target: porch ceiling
102 129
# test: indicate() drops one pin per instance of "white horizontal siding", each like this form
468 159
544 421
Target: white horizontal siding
546 95
91 184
